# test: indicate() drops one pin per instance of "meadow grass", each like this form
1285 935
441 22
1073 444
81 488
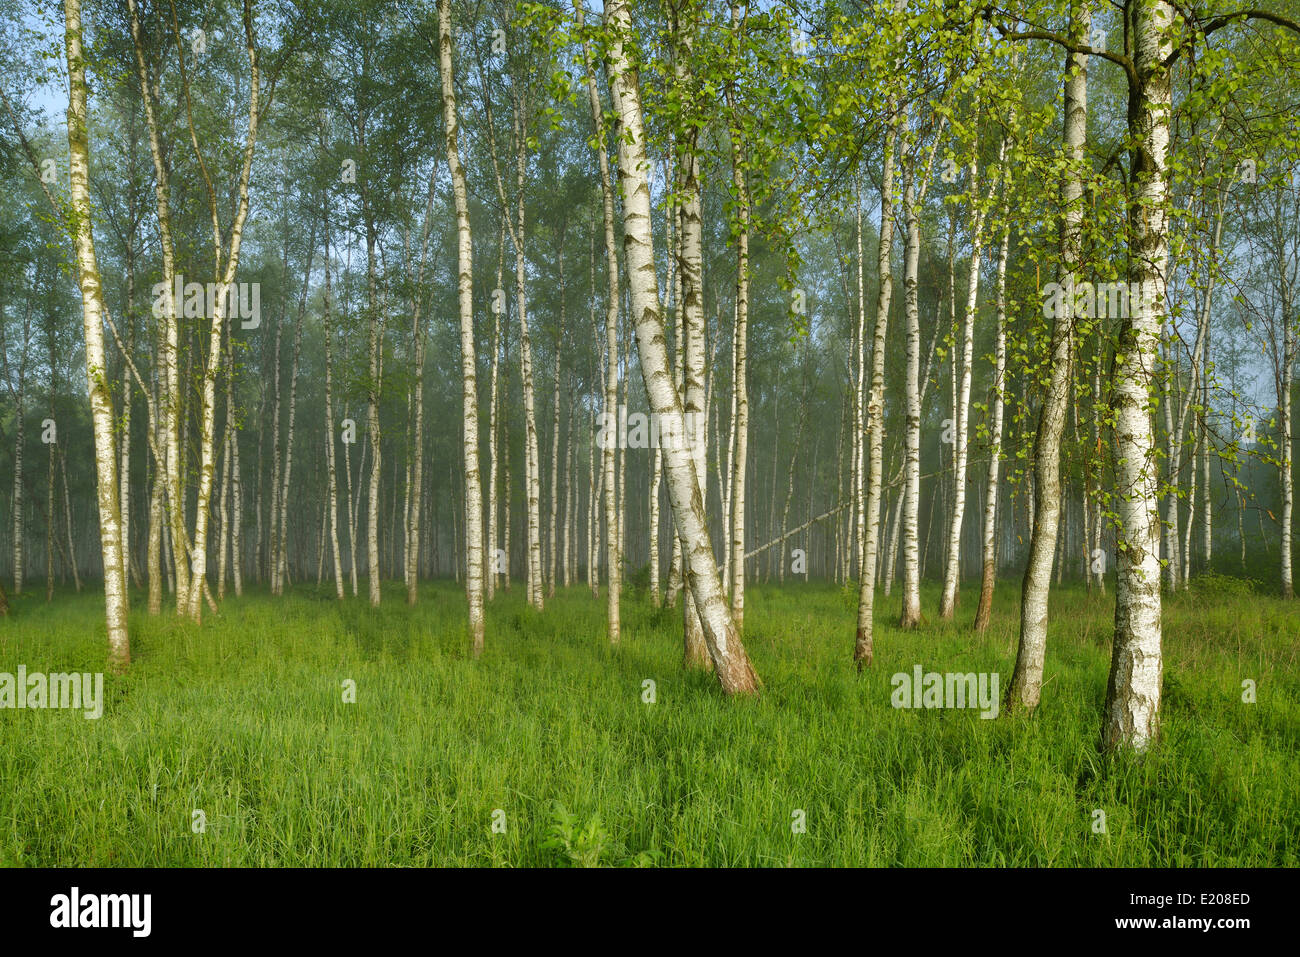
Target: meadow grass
243 718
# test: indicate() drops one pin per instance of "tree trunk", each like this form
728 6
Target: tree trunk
465 291
913 202
874 420
1027 679
740 384
1133 689
552 520
961 444
333 485
731 664
498 306
93 313
990 564
226 271
691 266
168 336
613 559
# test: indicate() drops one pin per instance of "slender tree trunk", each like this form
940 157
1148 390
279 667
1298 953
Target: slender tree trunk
568 528
1027 679
415 451
913 201
532 455
961 444
67 524
226 272
1285 453
465 291
224 505
874 421
990 563
373 435
1207 504
676 579
280 551
740 385
276 415
169 379
1173 460
124 452
613 559
498 305
593 521
20 440
351 505
333 485
552 521
92 302
1096 444
49 500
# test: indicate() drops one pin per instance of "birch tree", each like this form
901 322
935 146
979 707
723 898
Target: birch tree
94 314
1027 679
730 662
473 503
613 560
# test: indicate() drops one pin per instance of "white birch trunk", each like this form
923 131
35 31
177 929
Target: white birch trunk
1133 689
961 436
869 513
990 566
731 664
1027 678
93 313
465 291
613 559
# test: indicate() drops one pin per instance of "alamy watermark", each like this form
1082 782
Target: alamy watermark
930 689
639 430
196 300
79 691
128 911
1099 300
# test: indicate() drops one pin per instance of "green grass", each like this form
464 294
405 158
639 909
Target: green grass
243 718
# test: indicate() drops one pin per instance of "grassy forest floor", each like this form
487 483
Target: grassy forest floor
244 719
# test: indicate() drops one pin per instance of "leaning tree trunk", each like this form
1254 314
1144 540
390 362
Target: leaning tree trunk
226 278
731 664
1027 679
